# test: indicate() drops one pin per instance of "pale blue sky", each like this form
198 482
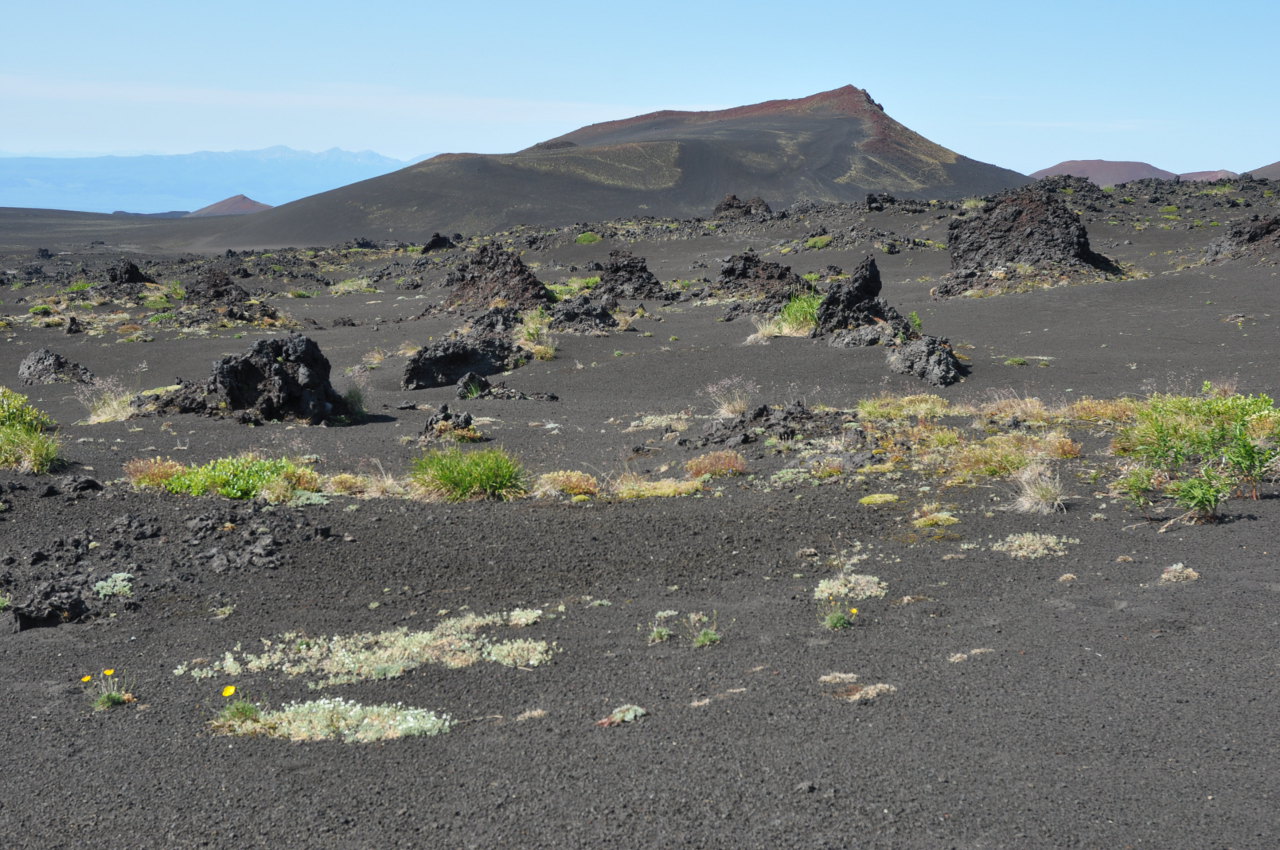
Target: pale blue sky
1185 86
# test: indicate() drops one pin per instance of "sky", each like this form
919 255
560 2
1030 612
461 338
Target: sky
1186 86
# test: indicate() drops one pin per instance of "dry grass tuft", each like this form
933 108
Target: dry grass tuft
566 482
933 515
1102 411
151 472
632 486
891 407
1002 455
1012 407
1178 573
107 401
1030 545
716 464
1040 491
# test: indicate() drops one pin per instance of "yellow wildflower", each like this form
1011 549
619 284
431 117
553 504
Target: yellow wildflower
86 678
853 611
229 691
109 672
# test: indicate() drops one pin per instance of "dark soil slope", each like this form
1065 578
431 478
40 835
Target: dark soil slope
1267 172
1101 674
833 146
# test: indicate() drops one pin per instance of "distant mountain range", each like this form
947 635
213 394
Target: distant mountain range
1106 172
181 182
833 146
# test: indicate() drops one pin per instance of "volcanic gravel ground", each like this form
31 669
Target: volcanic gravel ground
1111 710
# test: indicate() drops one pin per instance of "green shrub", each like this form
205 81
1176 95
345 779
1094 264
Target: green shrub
459 475
27 451
1170 432
16 411
588 238
1201 495
817 242
25 444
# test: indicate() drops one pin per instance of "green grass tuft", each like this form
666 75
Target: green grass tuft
457 475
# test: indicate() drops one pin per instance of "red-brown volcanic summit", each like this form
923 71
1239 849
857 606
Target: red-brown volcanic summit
1105 172
833 146
235 205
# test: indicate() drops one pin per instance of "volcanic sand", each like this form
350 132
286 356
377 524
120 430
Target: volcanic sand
1110 710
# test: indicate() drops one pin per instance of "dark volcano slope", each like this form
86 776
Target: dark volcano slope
833 146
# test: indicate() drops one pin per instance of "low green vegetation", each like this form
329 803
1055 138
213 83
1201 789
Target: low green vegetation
114 585
458 475
588 238
26 441
351 286
1199 449
622 714
455 643
817 242
328 719
109 690
799 315
573 286
245 476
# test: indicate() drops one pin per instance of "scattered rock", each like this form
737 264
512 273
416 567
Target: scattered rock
124 280
438 243
733 207
498 321
1023 231
584 314
45 367
276 379
491 277
445 421
216 290
626 276
926 357
769 285
67 599
1256 235
854 303
445 362
472 386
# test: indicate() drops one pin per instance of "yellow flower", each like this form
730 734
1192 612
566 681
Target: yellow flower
109 672
853 611
86 678
229 691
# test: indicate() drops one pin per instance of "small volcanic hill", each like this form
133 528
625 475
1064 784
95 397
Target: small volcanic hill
235 205
1208 176
834 146
1266 172
1105 172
